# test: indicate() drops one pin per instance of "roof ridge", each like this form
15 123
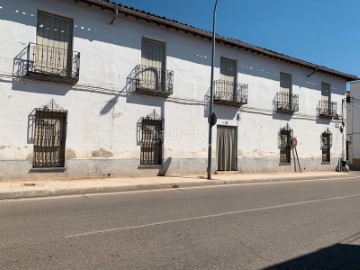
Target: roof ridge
236 42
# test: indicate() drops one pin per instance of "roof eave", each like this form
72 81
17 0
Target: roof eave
206 34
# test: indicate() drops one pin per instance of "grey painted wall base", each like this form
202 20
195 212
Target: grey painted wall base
263 165
98 168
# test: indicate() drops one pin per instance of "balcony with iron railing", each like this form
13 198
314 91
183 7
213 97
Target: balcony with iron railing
52 64
230 94
286 102
327 109
147 80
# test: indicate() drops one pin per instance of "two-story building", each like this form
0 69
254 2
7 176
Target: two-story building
90 88
352 125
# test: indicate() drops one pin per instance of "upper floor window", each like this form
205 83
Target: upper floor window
286 101
326 107
227 90
52 56
325 92
151 76
228 70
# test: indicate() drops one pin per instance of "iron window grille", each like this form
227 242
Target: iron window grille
327 109
326 144
151 140
49 137
230 93
153 81
286 102
284 141
51 63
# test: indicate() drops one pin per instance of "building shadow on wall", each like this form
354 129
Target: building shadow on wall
31 127
20 62
207 100
323 121
111 103
222 111
165 167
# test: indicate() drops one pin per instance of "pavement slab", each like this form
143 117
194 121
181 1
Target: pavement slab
16 189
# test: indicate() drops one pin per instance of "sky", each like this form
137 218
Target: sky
324 32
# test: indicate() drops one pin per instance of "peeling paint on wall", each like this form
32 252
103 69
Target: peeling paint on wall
70 153
29 156
102 153
115 115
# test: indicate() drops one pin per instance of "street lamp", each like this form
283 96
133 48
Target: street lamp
211 116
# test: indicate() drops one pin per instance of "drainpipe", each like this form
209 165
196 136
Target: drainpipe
116 10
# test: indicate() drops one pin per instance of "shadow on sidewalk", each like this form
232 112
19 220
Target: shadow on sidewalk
338 256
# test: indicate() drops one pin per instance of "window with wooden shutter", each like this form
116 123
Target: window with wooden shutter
153 74
54 36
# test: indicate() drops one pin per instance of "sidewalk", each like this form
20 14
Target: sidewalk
40 188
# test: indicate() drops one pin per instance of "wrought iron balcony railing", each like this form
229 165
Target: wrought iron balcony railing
327 109
151 81
286 102
52 64
229 93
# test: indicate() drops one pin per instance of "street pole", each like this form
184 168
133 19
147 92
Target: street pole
211 93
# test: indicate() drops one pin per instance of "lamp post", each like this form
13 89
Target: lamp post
211 93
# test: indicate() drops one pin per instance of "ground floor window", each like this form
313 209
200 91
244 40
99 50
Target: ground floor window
348 145
326 143
49 137
151 141
284 137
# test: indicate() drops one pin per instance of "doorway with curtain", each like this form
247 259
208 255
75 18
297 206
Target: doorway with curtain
226 148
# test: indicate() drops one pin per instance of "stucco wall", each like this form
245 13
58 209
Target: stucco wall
353 126
102 127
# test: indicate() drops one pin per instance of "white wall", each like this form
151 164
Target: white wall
102 115
353 126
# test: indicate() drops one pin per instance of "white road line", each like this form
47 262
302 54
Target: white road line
207 216
227 185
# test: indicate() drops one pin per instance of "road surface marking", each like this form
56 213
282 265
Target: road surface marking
207 216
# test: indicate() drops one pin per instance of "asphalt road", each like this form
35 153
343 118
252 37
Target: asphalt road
297 225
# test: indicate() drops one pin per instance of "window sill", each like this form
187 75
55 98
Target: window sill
50 170
325 163
284 164
154 167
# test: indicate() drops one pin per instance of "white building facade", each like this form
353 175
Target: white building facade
92 89
352 125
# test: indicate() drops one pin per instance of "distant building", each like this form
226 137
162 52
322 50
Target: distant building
352 124
90 88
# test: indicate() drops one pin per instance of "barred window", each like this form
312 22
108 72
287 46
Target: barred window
53 53
153 57
284 141
49 138
151 141
326 143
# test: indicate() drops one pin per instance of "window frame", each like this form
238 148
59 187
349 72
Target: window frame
43 159
285 147
154 156
325 146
